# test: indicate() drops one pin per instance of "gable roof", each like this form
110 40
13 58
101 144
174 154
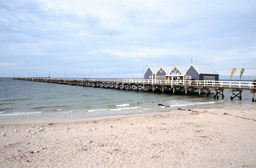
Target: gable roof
184 68
154 69
181 68
165 68
203 69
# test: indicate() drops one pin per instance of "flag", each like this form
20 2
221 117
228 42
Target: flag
232 73
241 73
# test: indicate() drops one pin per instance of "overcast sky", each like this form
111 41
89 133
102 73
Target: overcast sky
120 38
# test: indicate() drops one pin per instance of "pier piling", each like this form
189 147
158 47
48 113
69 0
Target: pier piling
235 93
201 87
253 96
218 92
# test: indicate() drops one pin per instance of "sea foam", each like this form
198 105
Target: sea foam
114 109
20 113
122 105
127 108
191 104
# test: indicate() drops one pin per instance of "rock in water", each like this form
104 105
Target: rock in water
161 105
41 129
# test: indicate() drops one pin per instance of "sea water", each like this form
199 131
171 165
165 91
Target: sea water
26 99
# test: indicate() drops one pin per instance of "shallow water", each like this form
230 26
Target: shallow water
19 99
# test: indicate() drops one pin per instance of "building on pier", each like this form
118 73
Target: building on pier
201 73
176 73
193 72
156 73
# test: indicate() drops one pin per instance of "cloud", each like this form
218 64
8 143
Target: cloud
107 38
144 52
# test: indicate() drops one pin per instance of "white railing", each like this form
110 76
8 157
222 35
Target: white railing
199 83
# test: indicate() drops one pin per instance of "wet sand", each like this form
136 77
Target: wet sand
221 137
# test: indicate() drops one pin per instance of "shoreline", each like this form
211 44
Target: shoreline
220 137
80 116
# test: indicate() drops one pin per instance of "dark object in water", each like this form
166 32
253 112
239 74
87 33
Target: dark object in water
161 104
181 108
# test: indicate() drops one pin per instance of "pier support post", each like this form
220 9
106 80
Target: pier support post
253 96
117 86
130 87
235 93
173 90
144 87
168 89
199 91
208 92
186 91
218 92
162 89
136 87
153 88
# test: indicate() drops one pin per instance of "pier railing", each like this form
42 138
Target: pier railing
200 83
244 85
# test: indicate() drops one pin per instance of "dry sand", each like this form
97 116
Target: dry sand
198 138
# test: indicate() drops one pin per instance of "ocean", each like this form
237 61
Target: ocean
28 100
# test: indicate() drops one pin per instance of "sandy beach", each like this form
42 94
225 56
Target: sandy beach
223 137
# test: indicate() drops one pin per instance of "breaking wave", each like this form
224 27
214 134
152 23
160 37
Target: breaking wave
20 113
191 104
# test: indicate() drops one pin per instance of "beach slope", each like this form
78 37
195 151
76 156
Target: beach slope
183 138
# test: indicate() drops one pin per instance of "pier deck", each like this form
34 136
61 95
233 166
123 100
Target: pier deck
200 87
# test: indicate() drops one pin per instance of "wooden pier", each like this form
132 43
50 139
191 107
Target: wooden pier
200 87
